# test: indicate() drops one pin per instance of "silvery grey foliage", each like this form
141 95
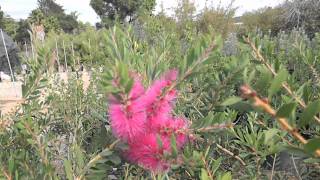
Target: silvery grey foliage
302 13
230 45
138 30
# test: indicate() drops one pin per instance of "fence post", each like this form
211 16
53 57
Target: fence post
73 56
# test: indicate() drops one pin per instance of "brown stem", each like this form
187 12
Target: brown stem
207 167
247 92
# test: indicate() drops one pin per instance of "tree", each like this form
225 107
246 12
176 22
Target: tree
219 19
9 25
302 14
185 15
22 31
50 23
123 10
50 8
37 17
264 19
1 17
54 12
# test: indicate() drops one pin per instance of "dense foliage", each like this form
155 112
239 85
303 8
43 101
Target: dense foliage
250 105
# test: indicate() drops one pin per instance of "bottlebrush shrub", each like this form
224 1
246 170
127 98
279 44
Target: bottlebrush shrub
143 119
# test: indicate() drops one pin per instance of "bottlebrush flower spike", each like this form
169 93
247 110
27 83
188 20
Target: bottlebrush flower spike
148 153
156 89
137 89
128 120
158 102
179 128
145 118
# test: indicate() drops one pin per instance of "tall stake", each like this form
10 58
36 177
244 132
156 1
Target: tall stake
90 52
5 48
73 56
57 51
65 56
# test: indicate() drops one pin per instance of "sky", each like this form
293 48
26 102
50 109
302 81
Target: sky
20 9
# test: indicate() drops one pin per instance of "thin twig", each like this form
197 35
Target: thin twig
295 167
285 84
274 162
214 127
6 174
231 154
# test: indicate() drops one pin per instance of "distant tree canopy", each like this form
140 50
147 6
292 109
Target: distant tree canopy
123 10
302 14
218 19
1 17
265 19
287 16
53 16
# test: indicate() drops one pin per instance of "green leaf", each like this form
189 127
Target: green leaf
277 82
269 134
106 152
204 175
227 176
114 159
129 85
159 142
264 79
312 160
191 57
174 146
312 145
231 101
286 110
242 106
216 165
311 110
68 169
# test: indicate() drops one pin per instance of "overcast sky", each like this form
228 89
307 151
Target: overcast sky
20 9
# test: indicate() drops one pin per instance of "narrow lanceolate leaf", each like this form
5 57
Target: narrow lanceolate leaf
68 169
277 82
174 146
129 85
286 110
307 115
227 176
269 134
204 175
231 101
312 145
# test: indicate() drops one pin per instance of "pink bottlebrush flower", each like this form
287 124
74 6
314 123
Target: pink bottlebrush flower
145 118
127 121
156 89
160 112
137 89
148 153
159 103
178 127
